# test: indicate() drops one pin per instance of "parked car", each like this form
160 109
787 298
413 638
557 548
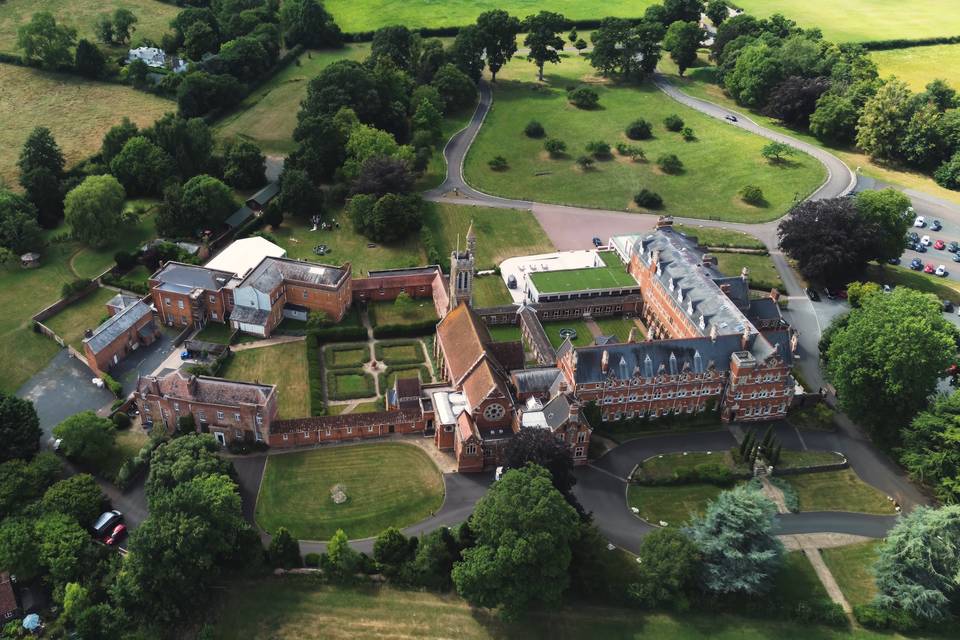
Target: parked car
916 264
919 248
939 244
925 241
936 226
829 294
953 247
106 522
947 306
812 294
919 222
956 257
941 271
929 269
597 242
893 261
730 118
914 236
116 535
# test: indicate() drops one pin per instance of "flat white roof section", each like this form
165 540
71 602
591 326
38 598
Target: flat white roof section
241 256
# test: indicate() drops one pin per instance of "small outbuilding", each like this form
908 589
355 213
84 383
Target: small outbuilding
30 260
9 605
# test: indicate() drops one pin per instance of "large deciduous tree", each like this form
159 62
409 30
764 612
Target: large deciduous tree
142 167
308 23
669 565
888 212
735 537
498 30
884 119
78 496
244 165
542 448
835 119
94 210
89 60
203 203
86 437
46 43
794 100
466 53
188 141
18 548
886 360
183 459
718 11
681 11
380 175
19 231
298 195
756 72
682 41
455 88
524 529
622 48
543 38
19 426
389 218
918 567
396 44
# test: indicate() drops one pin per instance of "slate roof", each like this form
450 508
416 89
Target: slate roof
184 278
122 300
764 309
117 325
535 380
557 411
182 385
8 599
250 315
239 216
265 195
536 334
271 272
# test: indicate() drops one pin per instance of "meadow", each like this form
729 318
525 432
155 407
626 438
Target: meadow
717 164
919 65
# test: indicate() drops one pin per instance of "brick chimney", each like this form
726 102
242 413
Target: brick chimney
774 294
664 222
88 333
605 361
745 338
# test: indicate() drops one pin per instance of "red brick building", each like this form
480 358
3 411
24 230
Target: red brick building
131 325
188 295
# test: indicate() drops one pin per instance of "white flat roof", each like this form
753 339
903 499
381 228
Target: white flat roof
446 406
241 256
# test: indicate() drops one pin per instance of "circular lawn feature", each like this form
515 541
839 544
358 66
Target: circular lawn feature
386 484
567 332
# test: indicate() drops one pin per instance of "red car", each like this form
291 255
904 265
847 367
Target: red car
116 535
929 269
939 244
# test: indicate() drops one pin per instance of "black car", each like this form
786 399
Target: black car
953 247
812 294
730 118
919 248
947 306
893 261
956 257
936 226
597 242
916 264
913 236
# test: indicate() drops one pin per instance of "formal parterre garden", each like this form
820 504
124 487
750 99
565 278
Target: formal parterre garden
719 162
386 484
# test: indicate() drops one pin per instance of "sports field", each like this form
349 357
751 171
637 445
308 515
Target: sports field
863 20
919 65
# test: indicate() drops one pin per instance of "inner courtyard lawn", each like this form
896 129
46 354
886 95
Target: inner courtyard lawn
419 310
411 371
618 326
490 291
284 365
504 332
838 491
584 336
406 352
217 332
852 566
347 356
919 65
347 384
721 161
76 110
387 484
86 313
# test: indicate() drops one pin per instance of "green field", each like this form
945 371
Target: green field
421 310
386 485
863 20
665 466
86 313
609 277
717 165
838 491
154 17
341 356
284 365
490 291
716 237
77 111
919 65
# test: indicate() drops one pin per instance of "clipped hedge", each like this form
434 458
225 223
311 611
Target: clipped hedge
422 371
315 376
812 611
452 31
127 284
330 355
410 330
904 43
336 393
382 347
338 333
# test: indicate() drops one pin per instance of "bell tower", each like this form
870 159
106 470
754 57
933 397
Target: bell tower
462 269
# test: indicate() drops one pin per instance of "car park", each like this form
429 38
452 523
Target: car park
956 257
812 294
953 247
941 271
916 265
919 222
939 244
936 226
106 523
929 269
925 241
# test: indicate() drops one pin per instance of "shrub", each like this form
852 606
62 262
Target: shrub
534 130
875 617
74 286
125 260
585 162
670 163
311 560
115 387
584 98
555 147
688 134
752 194
648 199
639 129
412 330
498 163
598 149
632 151
673 122
713 473
121 421
242 447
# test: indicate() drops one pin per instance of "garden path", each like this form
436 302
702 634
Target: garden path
266 342
828 581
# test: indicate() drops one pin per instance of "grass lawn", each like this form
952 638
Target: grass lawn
617 326
368 407
139 274
862 20
700 82
674 504
284 365
90 263
386 485
852 567
919 65
504 332
126 446
406 352
86 313
490 291
501 233
794 459
346 355
305 609
268 116
763 274
797 580
153 17
717 165
942 288
215 332
421 310
348 384
838 491
346 245
76 110
715 237
582 279
584 337
664 467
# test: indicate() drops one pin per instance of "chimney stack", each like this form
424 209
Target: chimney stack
774 294
605 361
713 333
88 333
745 338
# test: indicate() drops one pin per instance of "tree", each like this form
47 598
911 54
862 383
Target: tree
543 38
498 33
669 564
345 83
835 119
888 212
885 117
734 536
78 496
682 11
387 219
931 448
94 210
22 483
366 142
244 58
923 144
396 44
244 165
776 152
858 291
524 529
76 598
887 360
947 175
188 141
381 175
940 94
682 41
89 60
19 231
648 199
455 87
794 100
583 98
41 151
542 448
137 73
18 548
19 426
284 551
86 437
45 191
754 75
673 122
203 204
639 129
392 550
182 459
828 239
555 147
428 119
308 23
433 563
343 561
622 48
142 167
200 92
298 195
917 569
752 194
322 146
317 320
670 163
46 43
717 11
124 22
64 548
104 29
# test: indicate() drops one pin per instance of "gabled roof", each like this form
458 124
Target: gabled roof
463 336
117 325
482 381
535 380
466 428
184 278
271 272
8 598
181 385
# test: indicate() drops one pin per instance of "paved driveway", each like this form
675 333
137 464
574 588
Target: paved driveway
62 389
144 360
